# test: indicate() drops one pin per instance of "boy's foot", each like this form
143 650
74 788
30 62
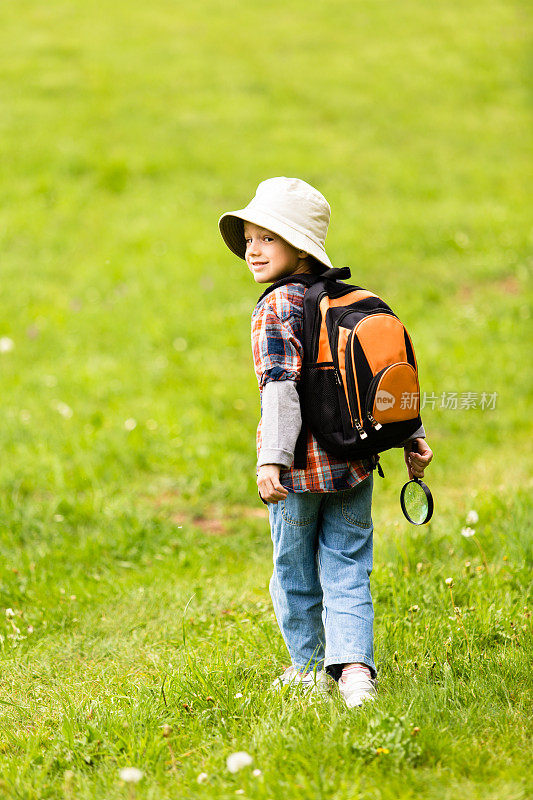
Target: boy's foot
356 685
310 682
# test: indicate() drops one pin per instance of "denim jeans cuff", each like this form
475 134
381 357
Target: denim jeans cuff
352 658
310 665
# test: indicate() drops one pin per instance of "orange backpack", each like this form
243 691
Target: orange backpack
358 389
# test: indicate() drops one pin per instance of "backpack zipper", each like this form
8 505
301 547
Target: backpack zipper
350 373
336 339
350 379
375 424
357 420
335 354
314 341
370 394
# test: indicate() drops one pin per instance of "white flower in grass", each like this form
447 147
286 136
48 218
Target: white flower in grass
202 777
239 694
10 613
467 532
472 518
449 581
256 773
130 424
131 774
64 410
237 761
6 344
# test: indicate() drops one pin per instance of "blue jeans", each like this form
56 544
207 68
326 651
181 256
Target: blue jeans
320 586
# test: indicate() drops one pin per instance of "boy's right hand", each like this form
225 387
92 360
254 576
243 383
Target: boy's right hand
268 483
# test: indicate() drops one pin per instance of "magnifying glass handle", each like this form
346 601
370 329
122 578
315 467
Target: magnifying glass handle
414 449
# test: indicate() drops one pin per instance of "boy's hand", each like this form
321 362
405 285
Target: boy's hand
417 461
268 483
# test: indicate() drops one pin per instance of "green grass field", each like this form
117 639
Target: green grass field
135 553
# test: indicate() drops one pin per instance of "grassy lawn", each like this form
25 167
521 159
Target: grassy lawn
135 553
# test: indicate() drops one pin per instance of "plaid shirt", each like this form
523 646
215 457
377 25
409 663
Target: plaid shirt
278 352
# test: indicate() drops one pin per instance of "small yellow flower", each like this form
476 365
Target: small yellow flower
382 751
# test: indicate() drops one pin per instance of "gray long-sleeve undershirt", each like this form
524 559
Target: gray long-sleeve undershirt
282 421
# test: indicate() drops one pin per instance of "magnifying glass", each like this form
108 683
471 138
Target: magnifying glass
416 500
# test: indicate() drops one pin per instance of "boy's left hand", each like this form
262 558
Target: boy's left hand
417 462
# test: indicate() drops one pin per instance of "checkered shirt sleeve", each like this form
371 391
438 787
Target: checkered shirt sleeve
277 350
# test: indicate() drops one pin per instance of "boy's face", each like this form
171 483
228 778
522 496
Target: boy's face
269 257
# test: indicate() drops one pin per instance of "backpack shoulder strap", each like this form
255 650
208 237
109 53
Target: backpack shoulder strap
308 279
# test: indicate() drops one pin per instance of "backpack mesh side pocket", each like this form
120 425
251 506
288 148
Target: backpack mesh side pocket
320 389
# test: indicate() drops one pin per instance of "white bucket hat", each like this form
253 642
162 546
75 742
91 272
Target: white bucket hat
289 207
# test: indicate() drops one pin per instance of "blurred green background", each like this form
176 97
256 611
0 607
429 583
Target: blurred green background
129 401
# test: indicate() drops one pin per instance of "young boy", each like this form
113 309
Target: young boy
320 517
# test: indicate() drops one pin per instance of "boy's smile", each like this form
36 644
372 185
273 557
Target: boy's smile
269 257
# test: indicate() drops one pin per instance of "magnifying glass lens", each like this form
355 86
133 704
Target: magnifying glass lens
416 502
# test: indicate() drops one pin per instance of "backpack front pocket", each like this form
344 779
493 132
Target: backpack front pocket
393 395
